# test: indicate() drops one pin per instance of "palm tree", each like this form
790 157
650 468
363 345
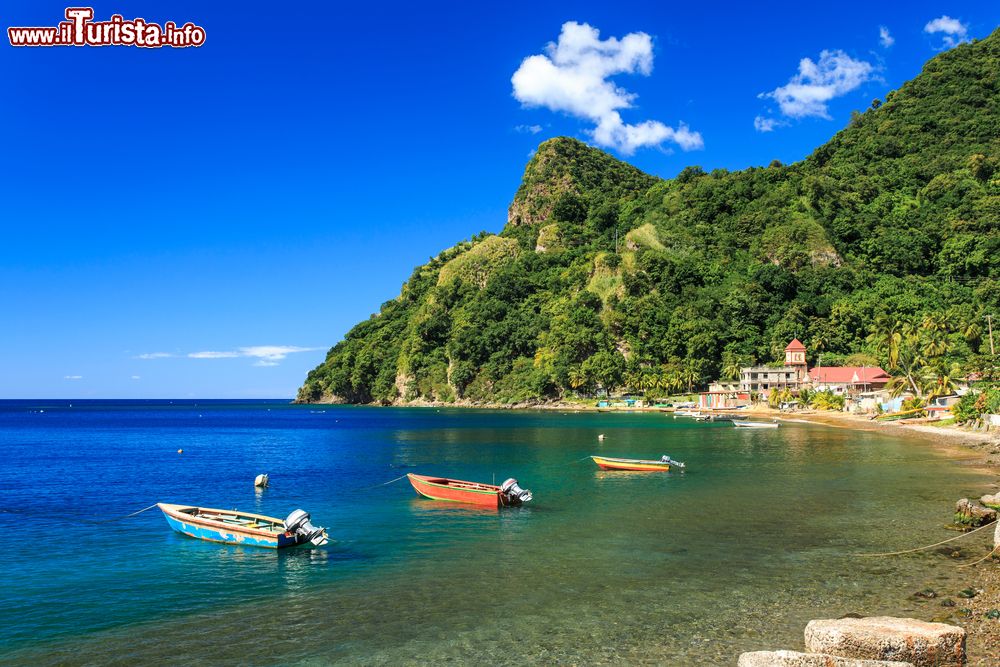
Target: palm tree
941 381
935 346
910 366
887 336
689 374
971 329
731 369
577 378
662 380
935 323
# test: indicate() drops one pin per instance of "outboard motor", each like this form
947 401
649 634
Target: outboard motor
298 523
514 494
666 459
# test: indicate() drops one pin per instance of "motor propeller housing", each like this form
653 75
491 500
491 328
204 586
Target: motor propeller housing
514 494
298 523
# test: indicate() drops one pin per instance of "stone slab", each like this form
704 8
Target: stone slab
888 638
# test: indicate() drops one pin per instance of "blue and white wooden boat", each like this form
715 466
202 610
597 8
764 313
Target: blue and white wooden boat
243 528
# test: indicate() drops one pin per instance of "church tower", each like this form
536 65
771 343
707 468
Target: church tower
795 357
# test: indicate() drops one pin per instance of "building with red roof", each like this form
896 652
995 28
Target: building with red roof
795 358
848 379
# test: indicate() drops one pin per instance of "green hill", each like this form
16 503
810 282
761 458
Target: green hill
886 236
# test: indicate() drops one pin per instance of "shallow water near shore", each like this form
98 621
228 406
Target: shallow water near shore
735 554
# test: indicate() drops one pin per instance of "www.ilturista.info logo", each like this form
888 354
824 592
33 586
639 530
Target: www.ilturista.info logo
79 29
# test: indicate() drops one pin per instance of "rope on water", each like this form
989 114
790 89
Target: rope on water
995 549
4 510
375 486
929 546
119 518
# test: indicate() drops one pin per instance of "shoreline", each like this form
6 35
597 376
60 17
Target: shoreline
977 450
984 445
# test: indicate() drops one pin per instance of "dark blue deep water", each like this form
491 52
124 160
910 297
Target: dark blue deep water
735 554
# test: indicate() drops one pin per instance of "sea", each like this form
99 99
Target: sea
760 533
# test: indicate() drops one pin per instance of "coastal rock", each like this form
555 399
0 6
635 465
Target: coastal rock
796 659
887 638
996 536
967 513
992 501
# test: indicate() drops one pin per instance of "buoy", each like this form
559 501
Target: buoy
600 437
180 451
260 481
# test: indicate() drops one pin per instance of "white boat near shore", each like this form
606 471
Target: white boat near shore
750 424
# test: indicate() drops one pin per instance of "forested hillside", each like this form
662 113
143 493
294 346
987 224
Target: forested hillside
882 245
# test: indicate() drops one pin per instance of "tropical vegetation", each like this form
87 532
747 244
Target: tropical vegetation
882 245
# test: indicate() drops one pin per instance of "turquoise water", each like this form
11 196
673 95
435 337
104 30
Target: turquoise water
735 554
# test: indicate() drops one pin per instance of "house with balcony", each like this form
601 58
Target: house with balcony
762 379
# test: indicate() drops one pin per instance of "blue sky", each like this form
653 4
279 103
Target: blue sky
208 222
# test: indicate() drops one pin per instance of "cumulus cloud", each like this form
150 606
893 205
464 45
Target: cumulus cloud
528 129
154 355
816 83
72 377
763 124
573 77
884 38
136 377
954 31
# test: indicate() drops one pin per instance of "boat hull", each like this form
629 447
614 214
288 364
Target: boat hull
218 531
456 491
747 424
634 465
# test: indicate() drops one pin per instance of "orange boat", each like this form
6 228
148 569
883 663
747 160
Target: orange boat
637 465
484 495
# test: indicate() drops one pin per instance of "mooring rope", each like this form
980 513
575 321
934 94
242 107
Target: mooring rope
4 510
375 486
995 549
119 518
929 546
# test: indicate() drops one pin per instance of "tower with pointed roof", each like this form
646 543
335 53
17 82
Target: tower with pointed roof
795 357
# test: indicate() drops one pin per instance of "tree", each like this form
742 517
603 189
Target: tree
941 381
607 368
690 373
578 379
886 336
909 369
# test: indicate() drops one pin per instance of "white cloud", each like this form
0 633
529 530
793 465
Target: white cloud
209 354
573 77
73 377
762 124
266 355
807 93
154 355
884 37
529 129
955 32
273 352
136 377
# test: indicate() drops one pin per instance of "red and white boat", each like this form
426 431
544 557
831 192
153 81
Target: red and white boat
507 494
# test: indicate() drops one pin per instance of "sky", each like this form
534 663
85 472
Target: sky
207 222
